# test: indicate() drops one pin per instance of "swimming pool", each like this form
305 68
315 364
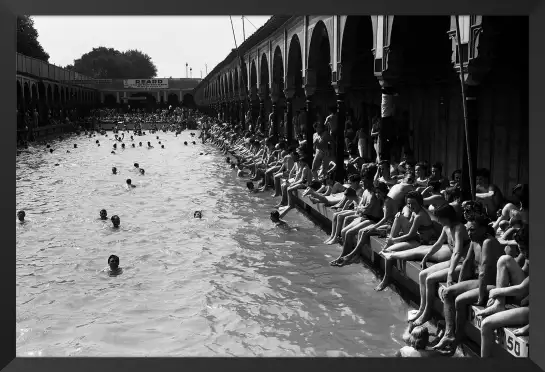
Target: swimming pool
231 284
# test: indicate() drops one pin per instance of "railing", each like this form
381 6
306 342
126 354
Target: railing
46 70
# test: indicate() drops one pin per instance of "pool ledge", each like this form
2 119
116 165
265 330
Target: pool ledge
405 279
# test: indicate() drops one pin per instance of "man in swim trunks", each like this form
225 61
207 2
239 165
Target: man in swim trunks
322 144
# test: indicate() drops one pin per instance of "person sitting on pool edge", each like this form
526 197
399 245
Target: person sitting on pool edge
103 214
478 271
21 216
113 268
115 221
512 283
418 339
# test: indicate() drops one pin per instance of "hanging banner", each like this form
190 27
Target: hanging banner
146 83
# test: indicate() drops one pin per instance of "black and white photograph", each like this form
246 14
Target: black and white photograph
272 186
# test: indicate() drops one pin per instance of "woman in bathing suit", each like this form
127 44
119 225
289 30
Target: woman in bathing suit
418 231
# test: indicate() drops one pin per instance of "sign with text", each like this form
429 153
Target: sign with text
146 83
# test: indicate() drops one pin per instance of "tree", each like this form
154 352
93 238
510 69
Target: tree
109 63
27 39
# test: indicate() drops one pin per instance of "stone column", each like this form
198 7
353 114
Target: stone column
309 129
117 99
158 97
473 130
289 106
262 119
101 98
341 118
165 96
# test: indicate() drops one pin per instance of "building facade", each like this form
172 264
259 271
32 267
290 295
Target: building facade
403 67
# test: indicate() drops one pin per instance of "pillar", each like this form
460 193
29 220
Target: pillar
165 96
275 119
262 118
289 122
387 112
473 130
309 121
101 97
341 118
117 99
158 97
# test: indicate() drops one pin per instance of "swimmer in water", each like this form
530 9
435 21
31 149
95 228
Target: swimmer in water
194 142
113 152
113 266
159 142
68 151
48 146
158 138
123 146
103 214
185 143
233 165
250 186
115 146
162 146
95 142
197 214
149 145
142 171
275 218
228 160
21 216
115 221
133 146
140 144
129 184
132 139
50 151
136 165
114 170
75 146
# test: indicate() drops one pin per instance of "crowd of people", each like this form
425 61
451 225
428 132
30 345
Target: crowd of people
478 246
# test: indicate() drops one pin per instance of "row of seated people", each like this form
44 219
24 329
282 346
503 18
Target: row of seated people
427 218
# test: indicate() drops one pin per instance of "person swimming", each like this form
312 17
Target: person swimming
133 146
140 144
129 184
228 160
149 145
103 214
75 146
114 170
97 142
162 146
159 142
142 171
113 266
50 151
115 146
136 165
21 216
123 146
185 143
116 221
113 152
48 146
197 214
68 151
194 142
275 218
158 138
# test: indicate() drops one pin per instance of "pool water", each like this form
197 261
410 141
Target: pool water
229 284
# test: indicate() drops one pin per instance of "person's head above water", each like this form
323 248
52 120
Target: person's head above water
75 146
162 146
185 143
123 145
197 214
115 145
133 145
142 171
228 160
50 150
113 262
21 216
48 146
115 220
275 216
96 141
149 143
103 214
129 182
250 185
136 165
139 143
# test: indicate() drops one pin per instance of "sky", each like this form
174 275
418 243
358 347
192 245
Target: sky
170 41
